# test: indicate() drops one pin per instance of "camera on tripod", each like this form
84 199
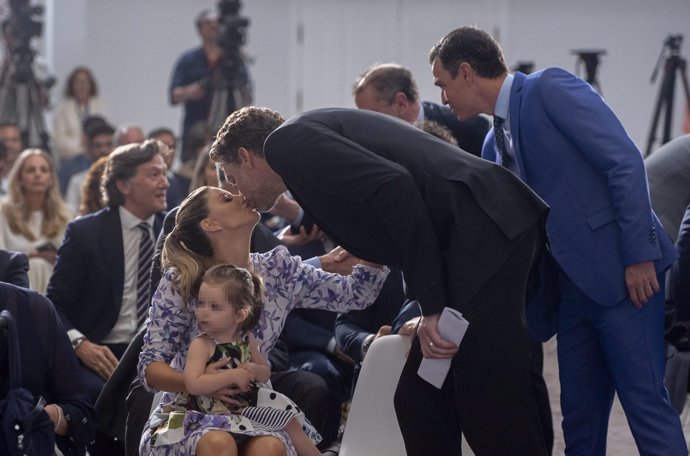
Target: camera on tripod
231 86
232 33
23 97
673 43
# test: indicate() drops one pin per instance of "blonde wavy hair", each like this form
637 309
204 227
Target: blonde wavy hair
187 249
56 215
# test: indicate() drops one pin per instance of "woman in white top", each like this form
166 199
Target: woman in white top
34 217
81 100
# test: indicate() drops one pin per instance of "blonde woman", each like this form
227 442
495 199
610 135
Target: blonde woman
34 216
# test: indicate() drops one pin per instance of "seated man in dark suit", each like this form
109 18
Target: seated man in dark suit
390 89
14 268
100 285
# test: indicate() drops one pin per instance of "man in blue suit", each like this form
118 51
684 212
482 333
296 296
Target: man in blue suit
558 135
97 282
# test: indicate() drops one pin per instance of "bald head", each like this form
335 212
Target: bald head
388 88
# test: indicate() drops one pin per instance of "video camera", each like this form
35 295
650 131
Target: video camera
22 26
232 33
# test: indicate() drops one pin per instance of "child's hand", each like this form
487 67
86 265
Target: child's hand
250 367
242 378
216 366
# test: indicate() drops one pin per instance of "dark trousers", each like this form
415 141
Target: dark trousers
488 394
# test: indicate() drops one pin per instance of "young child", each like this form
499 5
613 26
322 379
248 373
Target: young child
229 304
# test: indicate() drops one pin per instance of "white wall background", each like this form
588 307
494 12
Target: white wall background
131 45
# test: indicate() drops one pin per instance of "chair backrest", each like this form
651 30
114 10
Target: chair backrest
372 427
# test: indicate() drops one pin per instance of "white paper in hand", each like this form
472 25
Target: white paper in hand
452 327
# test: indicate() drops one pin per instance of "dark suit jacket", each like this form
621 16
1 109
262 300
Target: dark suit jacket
439 214
14 268
679 283
87 283
470 134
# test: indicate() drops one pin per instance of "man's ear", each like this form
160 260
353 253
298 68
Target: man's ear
210 225
123 186
465 72
245 156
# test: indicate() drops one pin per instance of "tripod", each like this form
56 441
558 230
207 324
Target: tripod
591 62
674 63
21 101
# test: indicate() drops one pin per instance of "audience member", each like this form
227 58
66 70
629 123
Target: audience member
227 307
678 283
205 172
4 168
99 143
128 134
213 226
434 212
198 139
100 286
91 199
179 188
12 139
434 128
34 216
668 172
49 368
14 268
71 166
609 249
390 89
192 79
80 101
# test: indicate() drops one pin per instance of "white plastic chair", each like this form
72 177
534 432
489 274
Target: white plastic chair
372 427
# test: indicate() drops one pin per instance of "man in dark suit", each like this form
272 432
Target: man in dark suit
14 268
392 194
609 249
668 172
390 89
97 283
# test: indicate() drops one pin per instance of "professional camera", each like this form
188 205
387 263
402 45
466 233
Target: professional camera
23 25
673 42
231 36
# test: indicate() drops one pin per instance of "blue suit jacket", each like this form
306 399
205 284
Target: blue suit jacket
87 283
575 154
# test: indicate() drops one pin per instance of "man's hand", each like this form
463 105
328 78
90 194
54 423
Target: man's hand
338 261
409 327
96 357
301 238
433 345
641 281
384 330
342 356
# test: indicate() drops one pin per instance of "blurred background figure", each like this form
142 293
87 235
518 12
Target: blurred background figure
80 101
34 216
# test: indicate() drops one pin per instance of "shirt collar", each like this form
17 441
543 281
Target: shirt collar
129 220
503 99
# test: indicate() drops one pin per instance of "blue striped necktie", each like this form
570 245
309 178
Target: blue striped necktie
144 273
507 160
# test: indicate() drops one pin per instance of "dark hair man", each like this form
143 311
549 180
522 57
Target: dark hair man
100 285
609 249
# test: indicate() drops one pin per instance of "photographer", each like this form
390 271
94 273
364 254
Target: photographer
193 76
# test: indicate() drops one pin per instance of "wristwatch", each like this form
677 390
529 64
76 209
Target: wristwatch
367 342
77 342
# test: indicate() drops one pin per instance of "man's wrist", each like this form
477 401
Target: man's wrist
77 342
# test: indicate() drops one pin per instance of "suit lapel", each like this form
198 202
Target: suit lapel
515 101
112 247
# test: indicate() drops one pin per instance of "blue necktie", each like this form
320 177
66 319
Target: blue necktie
144 273
499 135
